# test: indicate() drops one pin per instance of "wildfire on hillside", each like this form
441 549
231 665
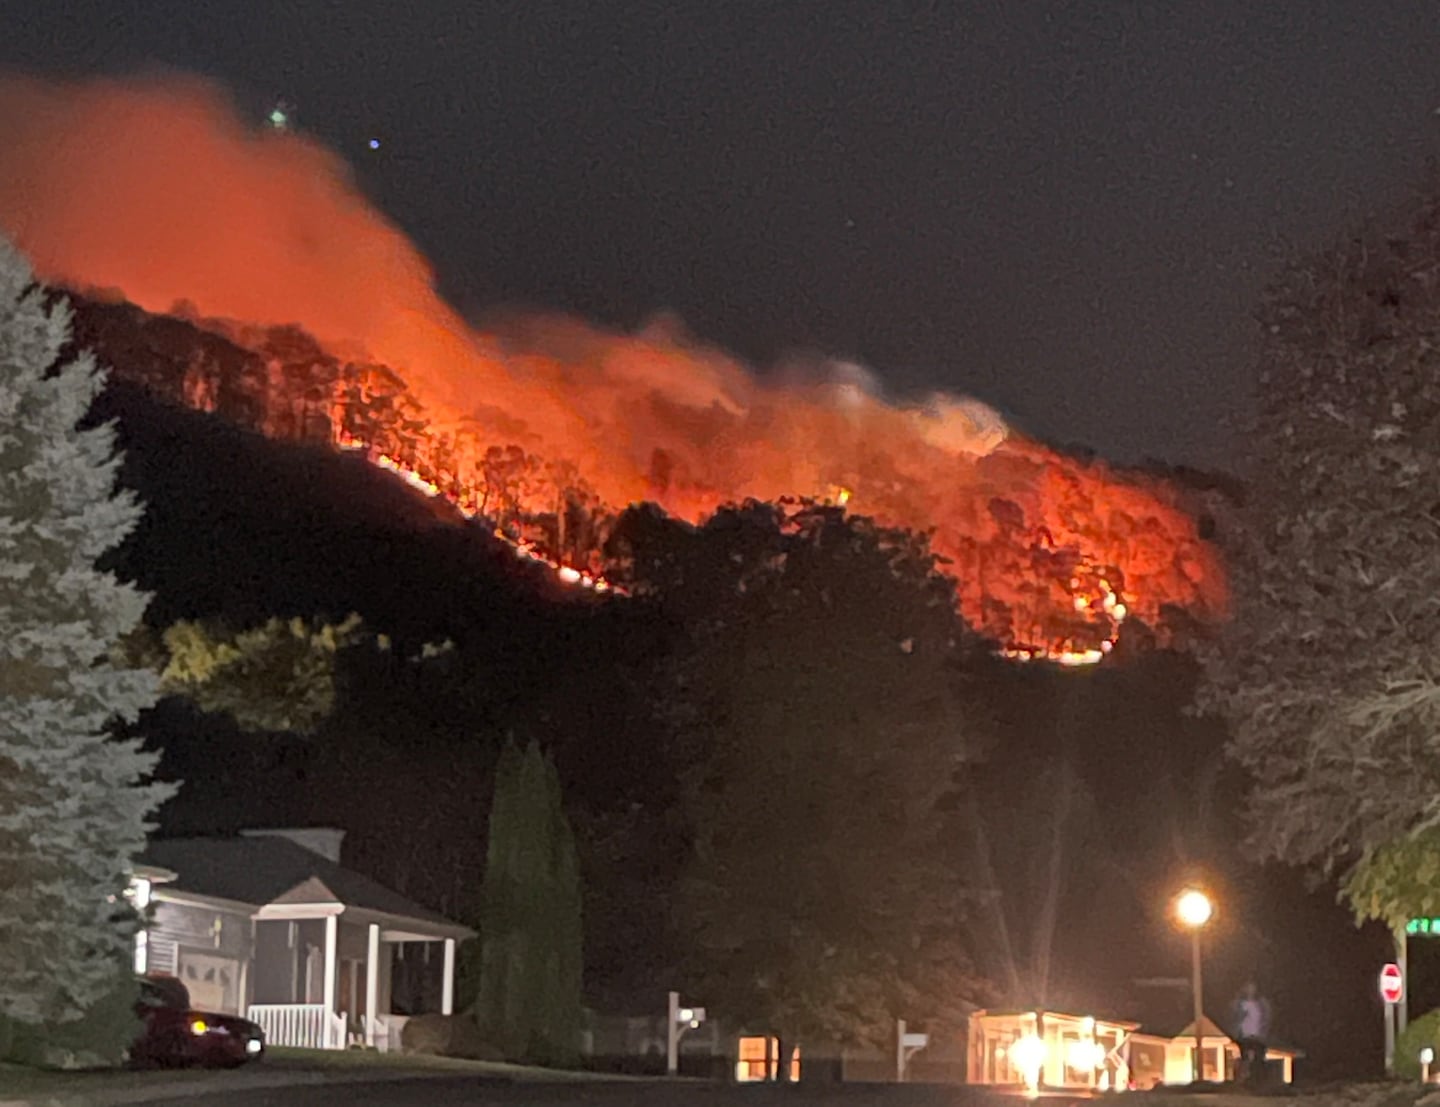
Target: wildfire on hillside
547 427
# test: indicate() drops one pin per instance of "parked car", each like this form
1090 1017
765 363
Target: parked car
176 1034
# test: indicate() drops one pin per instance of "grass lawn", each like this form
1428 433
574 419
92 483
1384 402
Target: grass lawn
304 1065
17 1082
358 1060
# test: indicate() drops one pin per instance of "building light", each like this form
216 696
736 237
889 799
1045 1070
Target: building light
1028 1055
1085 1055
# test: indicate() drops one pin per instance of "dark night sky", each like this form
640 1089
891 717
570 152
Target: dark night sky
1063 209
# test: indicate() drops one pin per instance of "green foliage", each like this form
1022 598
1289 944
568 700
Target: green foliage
278 676
98 1038
1418 1033
74 799
1396 882
814 700
531 957
1327 672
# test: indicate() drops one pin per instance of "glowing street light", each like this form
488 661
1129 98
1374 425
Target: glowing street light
1194 909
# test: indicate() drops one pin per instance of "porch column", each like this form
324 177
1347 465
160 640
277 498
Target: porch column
447 986
372 983
331 923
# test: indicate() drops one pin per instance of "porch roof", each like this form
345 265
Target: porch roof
1023 1012
269 870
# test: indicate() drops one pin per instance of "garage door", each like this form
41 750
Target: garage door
213 982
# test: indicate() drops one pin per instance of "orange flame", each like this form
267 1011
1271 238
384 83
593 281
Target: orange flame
160 191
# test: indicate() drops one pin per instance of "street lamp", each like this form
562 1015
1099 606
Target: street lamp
1193 908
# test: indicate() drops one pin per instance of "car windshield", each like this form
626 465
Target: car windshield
164 992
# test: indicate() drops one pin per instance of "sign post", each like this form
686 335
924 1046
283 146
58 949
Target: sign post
1392 991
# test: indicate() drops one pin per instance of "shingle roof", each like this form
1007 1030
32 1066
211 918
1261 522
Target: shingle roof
263 869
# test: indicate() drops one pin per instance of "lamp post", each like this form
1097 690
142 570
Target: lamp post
1193 908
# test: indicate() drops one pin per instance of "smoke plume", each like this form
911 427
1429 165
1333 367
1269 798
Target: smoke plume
158 190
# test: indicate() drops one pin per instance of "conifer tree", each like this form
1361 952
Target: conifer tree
531 961
73 799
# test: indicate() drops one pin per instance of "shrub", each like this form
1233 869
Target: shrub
447 1036
1419 1033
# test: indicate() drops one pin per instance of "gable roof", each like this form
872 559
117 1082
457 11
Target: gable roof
263 869
1208 1029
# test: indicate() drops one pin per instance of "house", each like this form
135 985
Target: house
270 925
1220 1057
1031 1051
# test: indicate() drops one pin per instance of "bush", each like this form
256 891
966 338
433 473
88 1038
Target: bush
1421 1032
447 1036
98 1039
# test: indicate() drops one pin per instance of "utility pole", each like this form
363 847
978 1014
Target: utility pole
672 1036
1402 956
1199 1067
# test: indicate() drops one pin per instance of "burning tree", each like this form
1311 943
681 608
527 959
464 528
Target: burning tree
1328 673
73 805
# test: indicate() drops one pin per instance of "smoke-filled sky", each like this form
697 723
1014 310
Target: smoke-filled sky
1065 210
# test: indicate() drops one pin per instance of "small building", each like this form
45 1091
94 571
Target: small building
270 926
1031 1051
1220 1057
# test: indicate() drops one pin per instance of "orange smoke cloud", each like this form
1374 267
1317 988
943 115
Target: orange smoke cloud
160 191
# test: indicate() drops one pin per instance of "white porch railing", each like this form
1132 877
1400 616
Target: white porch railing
389 1030
301 1025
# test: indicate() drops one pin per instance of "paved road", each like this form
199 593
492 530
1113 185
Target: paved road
470 1092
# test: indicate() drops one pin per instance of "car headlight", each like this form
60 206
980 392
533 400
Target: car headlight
198 1027
254 1045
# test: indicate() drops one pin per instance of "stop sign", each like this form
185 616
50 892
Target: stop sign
1392 983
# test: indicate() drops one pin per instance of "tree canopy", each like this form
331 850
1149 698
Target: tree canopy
74 801
277 676
1328 673
814 701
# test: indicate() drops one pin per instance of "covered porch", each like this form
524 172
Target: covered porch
324 970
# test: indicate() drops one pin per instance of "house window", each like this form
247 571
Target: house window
757 1059
753 1061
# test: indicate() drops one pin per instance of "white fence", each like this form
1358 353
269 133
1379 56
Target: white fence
302 1025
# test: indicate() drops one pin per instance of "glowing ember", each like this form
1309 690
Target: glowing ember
526 550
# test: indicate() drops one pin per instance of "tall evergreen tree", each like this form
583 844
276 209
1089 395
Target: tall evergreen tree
531 961
73 799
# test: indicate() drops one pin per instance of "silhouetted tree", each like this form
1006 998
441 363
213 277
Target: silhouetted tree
816 711
1327 673
530 929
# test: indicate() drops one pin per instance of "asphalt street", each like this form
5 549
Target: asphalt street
467 1091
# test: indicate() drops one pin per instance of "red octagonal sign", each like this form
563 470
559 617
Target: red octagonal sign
1392 984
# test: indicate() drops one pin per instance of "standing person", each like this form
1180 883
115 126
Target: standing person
1250 1024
